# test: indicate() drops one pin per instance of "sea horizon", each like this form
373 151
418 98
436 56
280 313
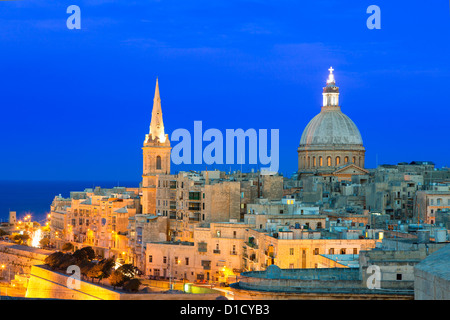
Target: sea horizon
35 196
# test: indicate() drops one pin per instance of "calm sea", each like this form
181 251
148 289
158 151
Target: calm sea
35 197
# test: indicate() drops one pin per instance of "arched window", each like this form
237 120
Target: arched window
346 160
320 161
354 159
338 161
329 161
314 162
309 162
158 163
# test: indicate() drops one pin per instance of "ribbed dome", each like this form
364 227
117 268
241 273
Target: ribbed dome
331 128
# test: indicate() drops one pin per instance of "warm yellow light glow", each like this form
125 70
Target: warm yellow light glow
36 238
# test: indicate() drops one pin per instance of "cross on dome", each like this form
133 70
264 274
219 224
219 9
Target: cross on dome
330 79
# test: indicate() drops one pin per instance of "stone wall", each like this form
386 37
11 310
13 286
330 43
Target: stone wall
45 283
20 259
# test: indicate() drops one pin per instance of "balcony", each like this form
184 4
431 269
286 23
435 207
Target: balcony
251 245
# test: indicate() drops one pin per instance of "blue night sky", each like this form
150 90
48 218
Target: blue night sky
76 104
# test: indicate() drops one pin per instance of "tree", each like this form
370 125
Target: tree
21 238
107 266
66 261
89 252
54 260
3 233
128 270
44 242
117 279
67 247
132 285
95 272
85 266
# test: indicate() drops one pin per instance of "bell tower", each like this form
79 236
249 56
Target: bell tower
156 152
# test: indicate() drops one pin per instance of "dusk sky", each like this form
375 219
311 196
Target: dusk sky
76 104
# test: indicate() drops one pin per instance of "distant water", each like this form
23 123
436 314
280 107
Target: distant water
35 197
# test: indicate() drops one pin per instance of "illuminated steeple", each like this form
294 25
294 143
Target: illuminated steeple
331 92
157 124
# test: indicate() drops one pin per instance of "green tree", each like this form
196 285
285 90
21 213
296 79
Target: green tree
67 247
21 238
117 279
54 260
128 270
85 266
107 266
66 261
44 242
95 272
132 285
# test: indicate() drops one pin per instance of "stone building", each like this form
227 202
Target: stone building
215 254
295 248
430 203
331 142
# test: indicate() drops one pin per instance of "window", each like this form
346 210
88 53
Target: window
329 161
331 251
202 247
291 251
355 251
314 162
234 234
320 161
354 160
291 266
164 259
343 251
346 160
316 251
158 163
338 161
399 276
187 261
150 259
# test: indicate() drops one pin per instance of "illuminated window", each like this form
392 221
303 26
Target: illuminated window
320 161
314 162
338 161
346 160
354 160
291 251
329 161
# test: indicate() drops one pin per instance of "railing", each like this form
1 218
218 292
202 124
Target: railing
252 245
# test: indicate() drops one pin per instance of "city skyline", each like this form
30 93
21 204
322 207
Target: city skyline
88 93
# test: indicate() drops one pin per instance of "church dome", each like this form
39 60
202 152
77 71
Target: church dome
331 139
331 128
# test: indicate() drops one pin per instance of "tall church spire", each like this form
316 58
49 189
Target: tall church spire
157 124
